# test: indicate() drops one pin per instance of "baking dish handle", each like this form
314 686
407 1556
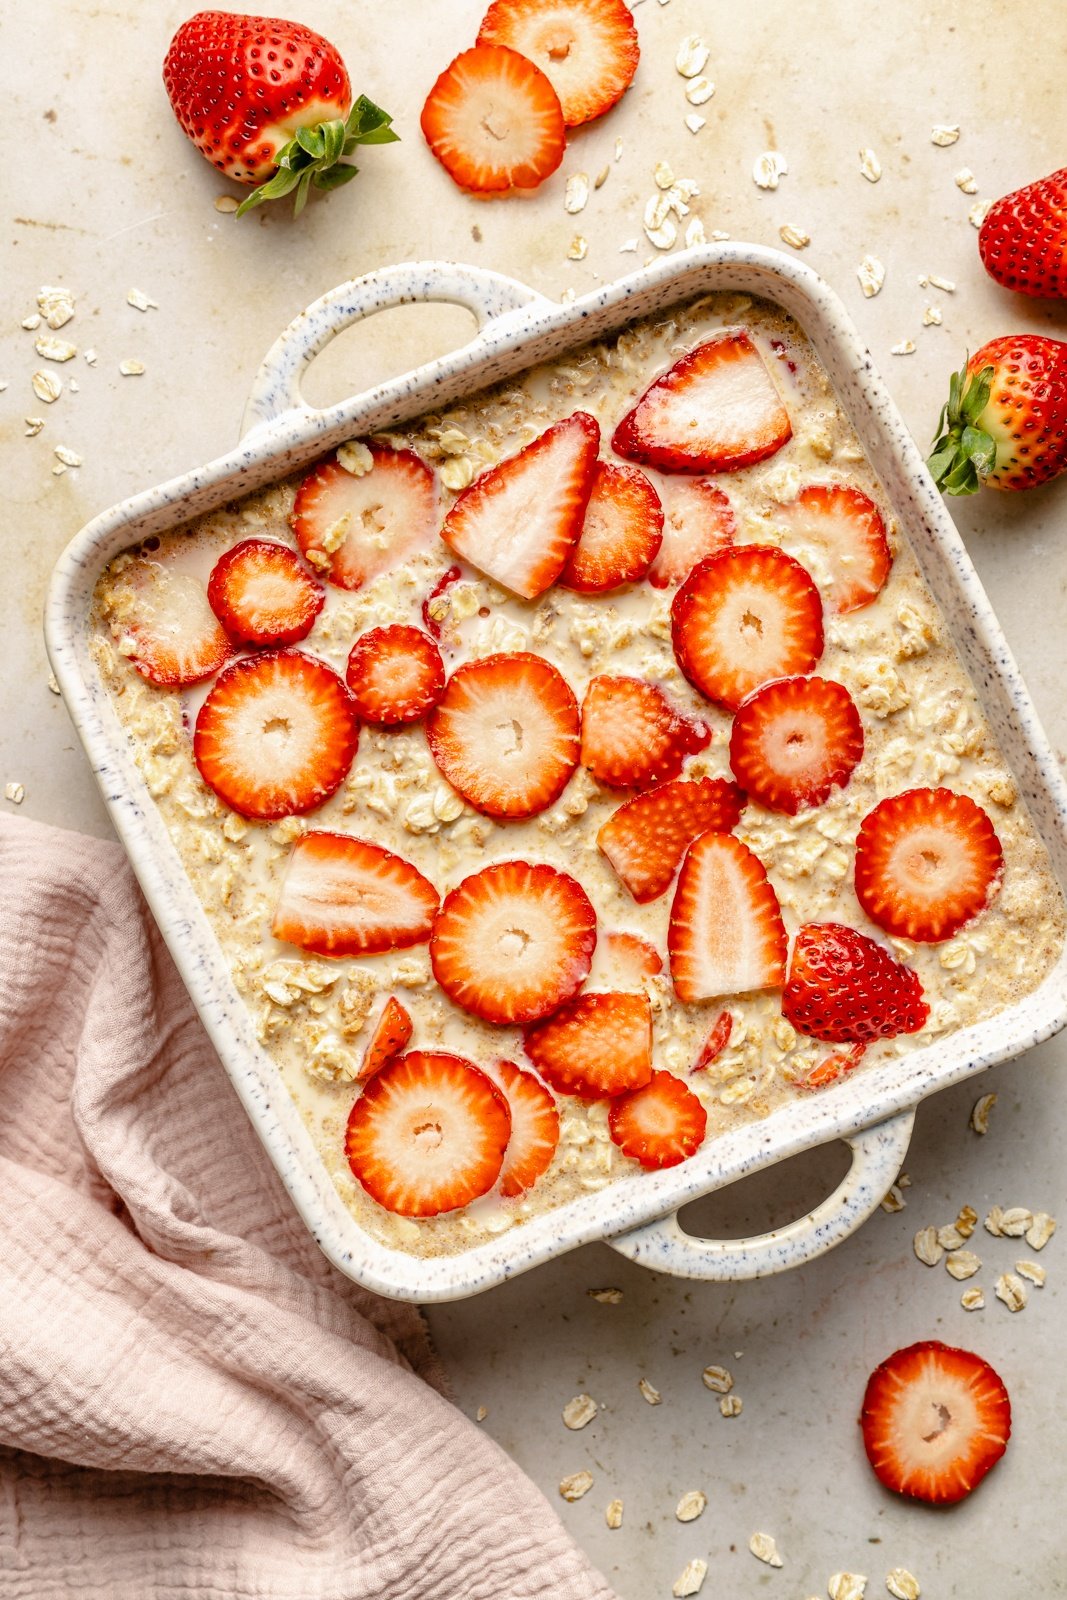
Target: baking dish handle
877 1156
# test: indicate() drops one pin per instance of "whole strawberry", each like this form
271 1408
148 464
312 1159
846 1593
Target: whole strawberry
1023 240
1005 423
269 103
847 989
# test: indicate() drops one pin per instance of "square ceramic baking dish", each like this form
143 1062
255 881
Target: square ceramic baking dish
873 1110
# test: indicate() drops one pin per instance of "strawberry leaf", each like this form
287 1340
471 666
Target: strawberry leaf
963 453
311 157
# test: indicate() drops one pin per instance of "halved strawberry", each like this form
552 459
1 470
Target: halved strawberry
427 1134
276 734
832 1068
262 593
647 837
632 737
505 734
620 535
392 1032
726 934
934 1420
494 121
838 533
794 741
534 1127
395 674
846 989
715 410
586 48
512 942
717 1039
596 1045
927 861
698 521
353 528
745 616
660 1124
343 896
168 629
519 521
631 960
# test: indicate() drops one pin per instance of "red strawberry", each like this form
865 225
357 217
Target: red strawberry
258 95
505 734
392 1033
743 617
428 1134
794 741
632 737
494 121
534 1127
715 410
846 989
647 837
343 896
170 632
395 674
934 1420
838 533
445 581
263 594
519 521
620 535
276 734
832 1068
715 1043
631 960
512 942
1005 423
352 529
698 521
1023 240
726 934
586 48
660 1124
927 861
596 1045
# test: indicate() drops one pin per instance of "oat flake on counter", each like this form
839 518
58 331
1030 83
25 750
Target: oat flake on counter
717 1379
870 165
847 1586
690 1580
575 1485
67 457
226 203
15 792
973 1299
1031 1270
928 1247
577 193
978 213
692 56
699 91
1011 1291
691 1505
51 349
902 1584
1015 1221
931 317
31 322
796 237
962 1264
141 301
980 1113
649 1392
764 1549
694 123
613 1514
966 180
768 168
33 426
601 178
944 134
731 1405
871 274
906 347
55 304
579 1412
131 369
481 1413
90 357
694 234
578 248
46 386
606 1297
893 1200
1040 1230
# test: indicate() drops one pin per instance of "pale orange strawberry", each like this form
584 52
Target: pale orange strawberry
396 675
632 737
632 959
343 896
534 1127
392 1033
726 934
838 533
586 48
351 529
262 593
647 837
494 121
794 741
620 535
660 1124
698 521
172 636
927 861
594 1046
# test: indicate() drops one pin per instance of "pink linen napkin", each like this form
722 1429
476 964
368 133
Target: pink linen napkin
192 1402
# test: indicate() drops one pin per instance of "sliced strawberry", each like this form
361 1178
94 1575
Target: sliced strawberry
715 1043
586 48
839 535
512 942
715 410
660 1124
276 734
170 632
428 1134
494 121
505 734
395 674
620 535
934 1420
698 521
832 1068
927 861
726 934
647 837
631 958
343 896
745 616
632 737
262 593
534 1127
794 741
597 1045
353 528
846 989
392 1032
519 521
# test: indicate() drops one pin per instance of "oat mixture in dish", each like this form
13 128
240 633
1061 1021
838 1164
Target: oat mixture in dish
576 773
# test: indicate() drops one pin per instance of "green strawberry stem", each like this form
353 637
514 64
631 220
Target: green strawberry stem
963 453
313 156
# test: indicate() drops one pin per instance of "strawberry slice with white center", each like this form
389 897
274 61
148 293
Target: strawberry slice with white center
647 837
534 1127
698 521
519 522
715 410
743 617
428 1134
353 527
170 633
276 734
343 896
660 1124
794 741
718 1037
726 934
632 737
847 989
838 533
586 48
934 1420
513 941
494 121
596 1046
392 1032
396 675
262 593
505 734
621 533
927 861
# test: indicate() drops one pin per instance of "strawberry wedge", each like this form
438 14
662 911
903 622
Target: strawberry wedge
392 1033
343 896
726 933
698 521
647 837
621 533
354 526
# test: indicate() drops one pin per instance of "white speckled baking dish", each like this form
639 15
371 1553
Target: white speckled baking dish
873 1110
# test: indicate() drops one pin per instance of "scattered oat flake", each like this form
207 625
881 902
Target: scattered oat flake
945 284
768 168
226 203
992 1221
719 236
928 1247
967 1221
580 1411
978 213
944 133
55 304
871 274
691 1505
627 246
962 1264
893 1201
618 149
53 683
663 175
931 317
966 180
55 349
46 386
1012 1291
31 322
73 386
578 248
665 236
699 91
90 357
718 1380
980 1112
906 347
613 1514
657 210
15 792
973 1299
601 178
141 301
1033 1272
847 1586
58 470
870 165
33 426
949 1237
731 1405
691 1579
694 123
606 1297
577 192
481 1413
796 237
4 384
764 1548
575 1485
69 458
650 1392
692 56
1040 1230
902 1585
1015 1221
131 369
694 233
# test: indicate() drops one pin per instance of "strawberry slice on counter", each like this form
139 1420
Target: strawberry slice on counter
513 942
519 522
631 960
351 528
934 1420
794 741
172 636
927 861
648 836
392 1033
632 737
743 617
494 121
847 989
726 934
262 593
276 734
698 521
715 410
534 1127
586 48
428 1134
660 1124
718 1037
621 533
505 734
838 533
396 675
343 896
595 1046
